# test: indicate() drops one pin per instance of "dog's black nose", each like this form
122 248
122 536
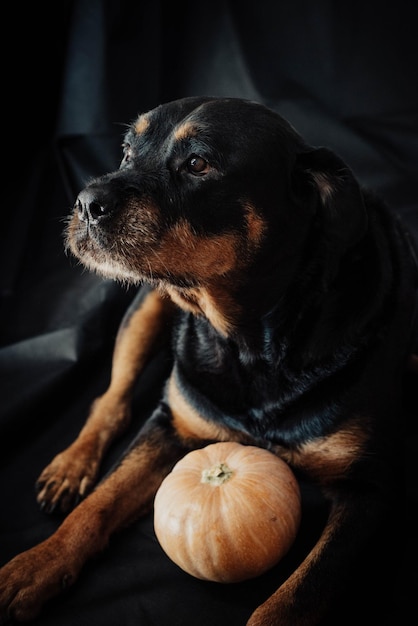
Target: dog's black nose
91 208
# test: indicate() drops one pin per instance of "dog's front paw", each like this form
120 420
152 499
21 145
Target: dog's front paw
30 579
67 479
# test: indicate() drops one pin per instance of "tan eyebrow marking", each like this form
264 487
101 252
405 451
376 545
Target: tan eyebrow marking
185 130
141 124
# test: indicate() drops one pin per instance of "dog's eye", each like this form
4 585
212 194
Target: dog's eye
197 165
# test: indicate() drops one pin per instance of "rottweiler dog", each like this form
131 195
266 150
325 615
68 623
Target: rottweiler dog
289 292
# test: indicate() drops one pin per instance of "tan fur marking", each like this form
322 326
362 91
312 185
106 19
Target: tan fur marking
141 124
136 339
185 299
329 458
256 226
187 421
219 307
201 257
214 302
185 130
210 260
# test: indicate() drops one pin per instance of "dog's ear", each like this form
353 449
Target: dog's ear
321 181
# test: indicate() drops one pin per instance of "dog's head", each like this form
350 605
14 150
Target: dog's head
212 190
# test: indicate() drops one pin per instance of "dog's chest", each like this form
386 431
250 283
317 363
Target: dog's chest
218 383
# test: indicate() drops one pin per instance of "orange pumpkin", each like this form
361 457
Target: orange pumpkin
227 512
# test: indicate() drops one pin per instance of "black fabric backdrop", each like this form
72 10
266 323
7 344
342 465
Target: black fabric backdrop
345 74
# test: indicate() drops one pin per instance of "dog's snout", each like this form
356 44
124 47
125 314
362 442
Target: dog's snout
91 208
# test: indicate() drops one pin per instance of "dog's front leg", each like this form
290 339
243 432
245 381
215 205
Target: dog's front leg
72 473
35 576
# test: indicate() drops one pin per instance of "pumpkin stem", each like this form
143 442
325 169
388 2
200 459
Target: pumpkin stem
217 475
